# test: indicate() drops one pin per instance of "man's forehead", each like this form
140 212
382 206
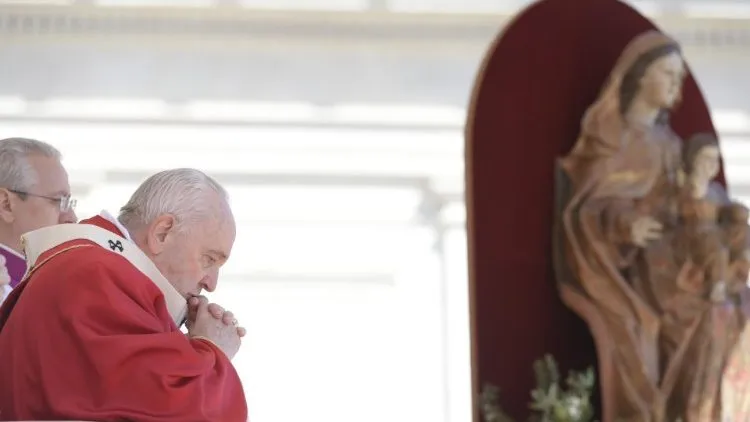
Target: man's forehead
217 246
44 163
217 235
51 175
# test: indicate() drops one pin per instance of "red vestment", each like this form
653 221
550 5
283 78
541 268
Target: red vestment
88 336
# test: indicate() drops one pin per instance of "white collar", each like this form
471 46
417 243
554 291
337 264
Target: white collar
11 251
40 241
109 217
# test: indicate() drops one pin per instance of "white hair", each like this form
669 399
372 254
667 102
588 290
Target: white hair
16 172
187 194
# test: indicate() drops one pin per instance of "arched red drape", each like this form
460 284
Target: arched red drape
531 92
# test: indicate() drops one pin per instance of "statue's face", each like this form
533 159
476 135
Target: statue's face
662 82
706 163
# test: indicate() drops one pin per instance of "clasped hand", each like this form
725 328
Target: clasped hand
213 322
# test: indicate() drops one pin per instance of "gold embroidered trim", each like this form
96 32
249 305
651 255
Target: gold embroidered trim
36 267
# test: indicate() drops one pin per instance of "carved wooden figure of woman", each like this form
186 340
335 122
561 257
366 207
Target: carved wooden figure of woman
623 177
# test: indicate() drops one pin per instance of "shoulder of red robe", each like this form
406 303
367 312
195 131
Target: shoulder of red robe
37 242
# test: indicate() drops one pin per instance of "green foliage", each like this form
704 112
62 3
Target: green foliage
491 409
551 401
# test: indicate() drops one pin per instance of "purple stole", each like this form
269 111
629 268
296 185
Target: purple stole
15 264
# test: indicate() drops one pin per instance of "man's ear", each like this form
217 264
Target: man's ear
6 206
160 232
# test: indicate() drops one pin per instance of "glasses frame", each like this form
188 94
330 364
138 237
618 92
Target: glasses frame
66 202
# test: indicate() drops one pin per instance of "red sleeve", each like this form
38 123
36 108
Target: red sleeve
116 354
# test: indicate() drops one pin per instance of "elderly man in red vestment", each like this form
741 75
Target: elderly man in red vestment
92 332
34 193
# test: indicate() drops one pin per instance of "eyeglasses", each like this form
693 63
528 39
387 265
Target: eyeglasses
66 202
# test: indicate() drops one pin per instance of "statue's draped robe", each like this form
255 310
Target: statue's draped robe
698 315
619 172
735 384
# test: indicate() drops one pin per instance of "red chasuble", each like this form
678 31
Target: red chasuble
89 336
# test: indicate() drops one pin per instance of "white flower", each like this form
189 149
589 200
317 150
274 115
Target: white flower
574 406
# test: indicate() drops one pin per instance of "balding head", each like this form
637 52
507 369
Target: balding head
182 220
188 194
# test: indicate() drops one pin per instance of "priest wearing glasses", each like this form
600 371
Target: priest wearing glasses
34 193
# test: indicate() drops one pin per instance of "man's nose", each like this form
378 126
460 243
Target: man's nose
210 281
68 217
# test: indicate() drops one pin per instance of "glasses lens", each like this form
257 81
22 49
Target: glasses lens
67 204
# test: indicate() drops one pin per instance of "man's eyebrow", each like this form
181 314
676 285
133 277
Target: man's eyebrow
220 254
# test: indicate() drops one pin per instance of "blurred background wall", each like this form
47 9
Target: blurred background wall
337 127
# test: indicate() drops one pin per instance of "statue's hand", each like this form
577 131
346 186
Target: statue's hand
645 229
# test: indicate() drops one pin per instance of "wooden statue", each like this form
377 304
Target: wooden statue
544 69
649 249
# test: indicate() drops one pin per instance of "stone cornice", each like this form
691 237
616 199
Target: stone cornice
228 24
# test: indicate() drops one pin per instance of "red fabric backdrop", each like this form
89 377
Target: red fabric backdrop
530 95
